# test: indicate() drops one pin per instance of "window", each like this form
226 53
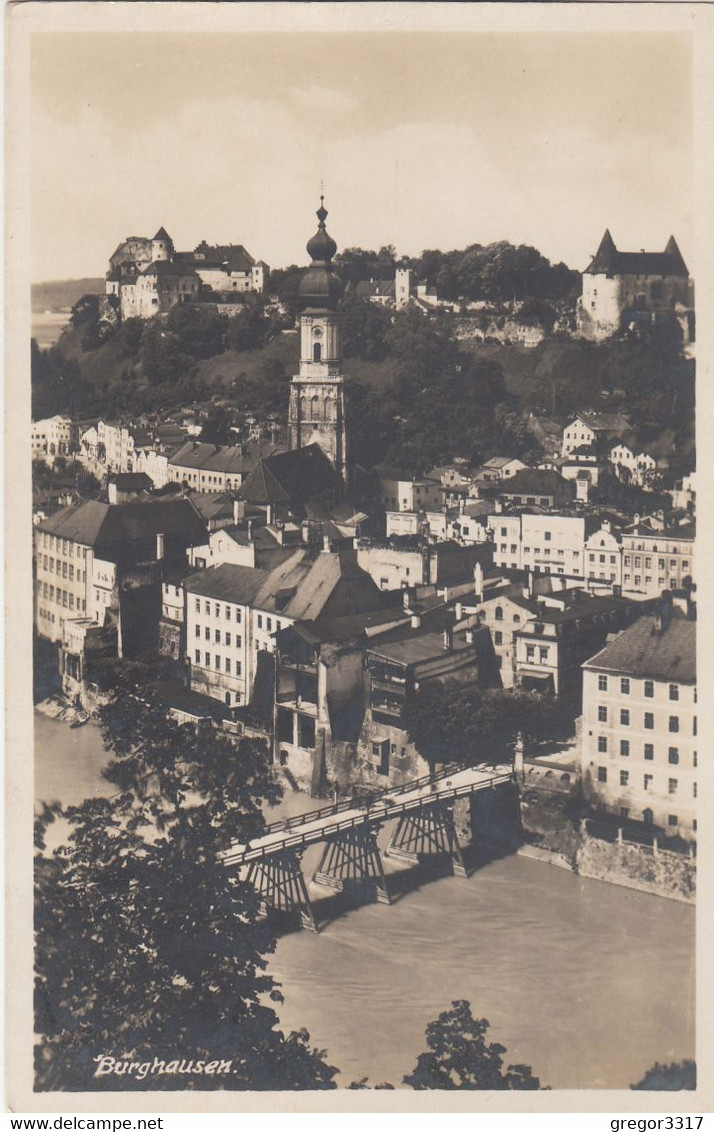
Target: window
624 777
218 636
228 665
548 536
647 816
602 683
218 663
694 759
218 610
198 630
260 621
648 781
543 654
602 743
673 755
602 714
627 560
649 721
625 686
602 774
672 786
208 659
207 633
649 689
530 652
499 613
624 717
498 638
239 642
674 691
228 638
239 668
625 748
504 532
672 819
674 723
269 624
198 656
649 751
624 813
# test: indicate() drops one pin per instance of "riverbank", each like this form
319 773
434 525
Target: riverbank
576 978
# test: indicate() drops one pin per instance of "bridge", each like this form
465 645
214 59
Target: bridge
423 809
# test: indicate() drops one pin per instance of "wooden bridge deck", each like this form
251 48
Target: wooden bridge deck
311 828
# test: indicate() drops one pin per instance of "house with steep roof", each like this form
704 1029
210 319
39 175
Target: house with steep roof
285 483
81 551
639 742
590 430
634 287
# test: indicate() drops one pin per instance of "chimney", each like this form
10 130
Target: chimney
458 611
448 638
238 511
528 584
415 620
159 547
663 614
406 598
250 529
462 504
469 636
606 525
326 543
478 581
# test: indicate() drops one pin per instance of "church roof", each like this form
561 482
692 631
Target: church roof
609 261
290 477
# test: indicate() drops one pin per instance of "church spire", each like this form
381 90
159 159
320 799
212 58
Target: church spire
320 286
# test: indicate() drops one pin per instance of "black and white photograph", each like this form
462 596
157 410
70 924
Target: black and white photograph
354 480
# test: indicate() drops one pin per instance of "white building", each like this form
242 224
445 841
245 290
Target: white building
548 544
657 558
633 465
639 735
589 428
51 438
603 556
404 494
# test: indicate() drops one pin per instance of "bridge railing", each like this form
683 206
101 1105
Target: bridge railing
352 804
243 854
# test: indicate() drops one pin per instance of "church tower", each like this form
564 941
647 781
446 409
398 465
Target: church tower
317 395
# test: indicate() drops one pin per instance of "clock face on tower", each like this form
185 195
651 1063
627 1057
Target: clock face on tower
317 332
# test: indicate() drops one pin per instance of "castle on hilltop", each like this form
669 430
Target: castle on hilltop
625 288
148 276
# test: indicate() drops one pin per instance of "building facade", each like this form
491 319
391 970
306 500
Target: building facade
639 735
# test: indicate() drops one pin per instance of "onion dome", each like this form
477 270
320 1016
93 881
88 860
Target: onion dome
320 286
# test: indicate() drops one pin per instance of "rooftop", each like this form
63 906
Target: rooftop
96 524
609 261
643 651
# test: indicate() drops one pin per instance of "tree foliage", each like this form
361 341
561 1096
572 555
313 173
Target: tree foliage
459 1057
146 945
453 722
666 1078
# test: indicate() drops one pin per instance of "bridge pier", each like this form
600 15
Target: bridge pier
426 833
279 881
352 855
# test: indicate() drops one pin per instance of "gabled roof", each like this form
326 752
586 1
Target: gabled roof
227 458
229 257
162 234
291 477
643 651
132 481
228 582
164 267
609 261
535 481
101 524
602 422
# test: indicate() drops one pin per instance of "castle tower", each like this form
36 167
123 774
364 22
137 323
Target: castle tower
317 395
162 246
402 287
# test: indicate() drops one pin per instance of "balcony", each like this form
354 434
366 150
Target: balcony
297 703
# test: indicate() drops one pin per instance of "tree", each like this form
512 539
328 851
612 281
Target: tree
217 428
451 722
146 946
677 1075
200 332
365 327
459 1057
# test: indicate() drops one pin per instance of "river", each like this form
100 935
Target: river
47 327
588 983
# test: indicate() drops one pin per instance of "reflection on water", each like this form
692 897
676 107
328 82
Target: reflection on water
588 983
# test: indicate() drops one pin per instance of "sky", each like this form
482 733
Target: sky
422 141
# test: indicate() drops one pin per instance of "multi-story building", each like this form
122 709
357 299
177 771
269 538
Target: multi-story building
505 466
603 556
633 465
590 429
399 492
51 438
642 287
656 559
209 467
504 615
148 276
78 549
546 543
551 647
639 728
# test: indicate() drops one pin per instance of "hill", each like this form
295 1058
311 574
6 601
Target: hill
61 294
